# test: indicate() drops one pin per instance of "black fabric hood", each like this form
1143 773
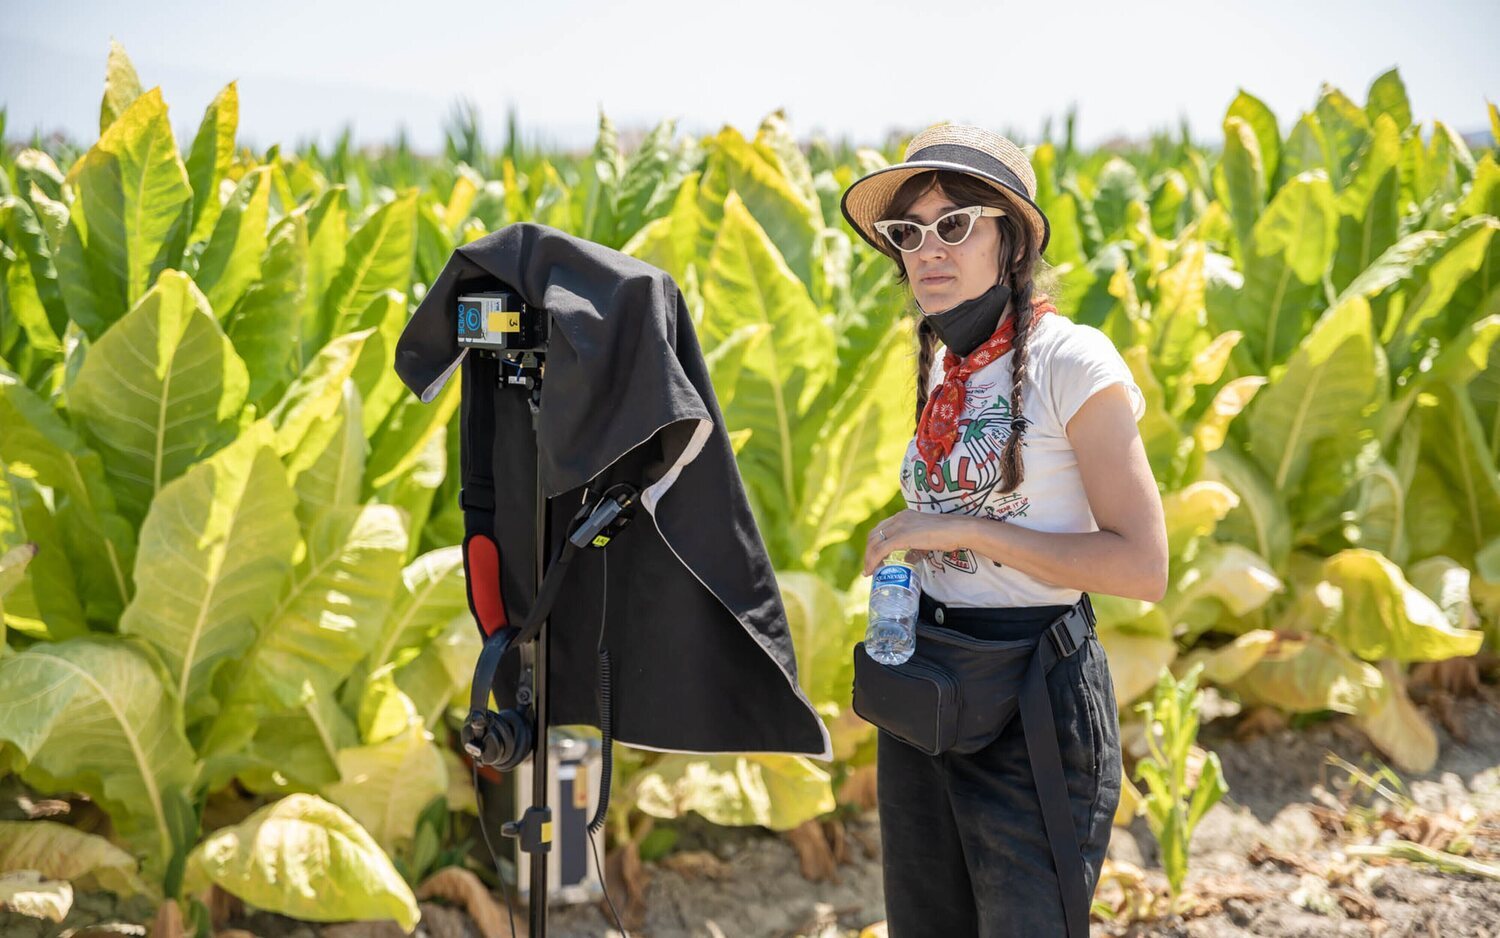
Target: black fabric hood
693 621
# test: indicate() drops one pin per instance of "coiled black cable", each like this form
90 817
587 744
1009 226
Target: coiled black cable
606 765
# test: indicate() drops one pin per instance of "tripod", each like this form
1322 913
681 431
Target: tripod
505 739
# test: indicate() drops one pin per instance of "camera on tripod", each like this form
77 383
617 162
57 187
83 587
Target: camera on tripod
499 321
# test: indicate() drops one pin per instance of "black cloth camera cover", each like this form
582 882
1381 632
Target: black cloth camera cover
700 653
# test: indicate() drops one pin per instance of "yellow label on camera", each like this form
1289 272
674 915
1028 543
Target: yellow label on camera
600 540
505 322
547 832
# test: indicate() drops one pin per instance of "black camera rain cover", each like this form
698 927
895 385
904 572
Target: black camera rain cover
700 653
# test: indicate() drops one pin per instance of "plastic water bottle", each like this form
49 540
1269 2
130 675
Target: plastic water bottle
892 634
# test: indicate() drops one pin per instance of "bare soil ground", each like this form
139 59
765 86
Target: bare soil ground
1267 861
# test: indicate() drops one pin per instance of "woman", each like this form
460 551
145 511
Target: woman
1006 544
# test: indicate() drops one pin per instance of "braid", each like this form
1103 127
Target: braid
1011 468
926 347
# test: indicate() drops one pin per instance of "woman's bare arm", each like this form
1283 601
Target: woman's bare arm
1127 556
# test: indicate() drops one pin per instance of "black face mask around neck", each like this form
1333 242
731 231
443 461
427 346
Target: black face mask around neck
965 327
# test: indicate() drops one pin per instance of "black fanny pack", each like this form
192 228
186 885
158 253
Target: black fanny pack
957 693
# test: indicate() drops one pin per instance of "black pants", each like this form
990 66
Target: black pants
964 849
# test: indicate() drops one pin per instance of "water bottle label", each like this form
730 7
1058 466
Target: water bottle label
894 575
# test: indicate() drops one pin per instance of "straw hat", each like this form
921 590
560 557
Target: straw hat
960 148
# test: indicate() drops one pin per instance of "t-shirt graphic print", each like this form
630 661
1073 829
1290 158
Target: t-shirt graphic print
1068 362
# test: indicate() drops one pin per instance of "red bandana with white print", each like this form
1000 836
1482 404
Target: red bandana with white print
937 431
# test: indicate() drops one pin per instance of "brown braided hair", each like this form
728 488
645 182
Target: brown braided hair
964 189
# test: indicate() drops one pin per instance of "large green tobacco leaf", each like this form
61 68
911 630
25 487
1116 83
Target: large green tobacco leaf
328 464
1192 512
27 341
265 326
784 215
58 851
775 791
1330 388
1384 617
1388 96
210 157
432 593
1424 310
443 669
1217 588
122 86
44 603
386 784
821 636
1459 471
853 445
129 218
92 715
1292 246
397 450
26 231
330 610
1241 180
1397 727
1262 122
1178 316
37 443
304 858
313 398
671 241
599 188
379 385
272 752
654 173
327 248
1368 209
162 388
214 553
378 258
776 144
747 282
1304 675
232 259
1345 130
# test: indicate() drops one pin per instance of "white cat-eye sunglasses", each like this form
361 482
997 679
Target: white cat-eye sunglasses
952 227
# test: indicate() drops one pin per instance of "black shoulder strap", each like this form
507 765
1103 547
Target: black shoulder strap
1063 639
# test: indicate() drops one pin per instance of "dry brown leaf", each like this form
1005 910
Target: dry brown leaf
1458 677
168 921
1209 894
834 830
1441 703
859 788
1355 904
625 875
697 864
461 887
45 807
814 852
1259 722
1261 853
223 906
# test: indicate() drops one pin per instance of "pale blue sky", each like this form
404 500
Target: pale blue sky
860 69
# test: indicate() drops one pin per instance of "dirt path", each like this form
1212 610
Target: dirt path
1269 817
1265 862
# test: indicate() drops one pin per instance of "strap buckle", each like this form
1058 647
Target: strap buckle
1070 631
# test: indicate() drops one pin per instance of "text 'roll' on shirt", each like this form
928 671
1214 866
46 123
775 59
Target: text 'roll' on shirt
1067 363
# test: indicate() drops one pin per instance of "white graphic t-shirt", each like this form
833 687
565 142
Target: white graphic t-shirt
1067 363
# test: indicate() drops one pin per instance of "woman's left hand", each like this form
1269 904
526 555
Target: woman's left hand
925 532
